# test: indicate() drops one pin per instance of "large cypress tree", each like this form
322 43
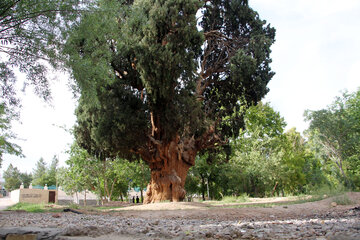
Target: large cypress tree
165 79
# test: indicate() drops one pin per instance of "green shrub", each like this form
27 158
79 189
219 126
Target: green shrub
342 200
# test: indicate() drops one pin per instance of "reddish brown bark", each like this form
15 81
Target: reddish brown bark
169 164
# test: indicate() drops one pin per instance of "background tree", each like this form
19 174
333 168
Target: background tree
294 155
257 150
81 174
12 178
153 85
26 179
337 130
51 172
265 160
65 182
44 174
30 34
209 175
139 174
108 179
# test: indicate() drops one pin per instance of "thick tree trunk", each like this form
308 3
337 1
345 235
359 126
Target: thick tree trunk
169 166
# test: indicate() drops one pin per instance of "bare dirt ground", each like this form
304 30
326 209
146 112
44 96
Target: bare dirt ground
275 218
236 211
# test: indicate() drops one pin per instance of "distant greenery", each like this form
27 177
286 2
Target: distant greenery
14 178
265 160
44 173
110 180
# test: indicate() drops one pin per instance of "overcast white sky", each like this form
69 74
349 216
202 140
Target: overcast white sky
315 57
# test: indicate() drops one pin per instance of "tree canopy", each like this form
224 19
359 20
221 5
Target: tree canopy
31 33
6 145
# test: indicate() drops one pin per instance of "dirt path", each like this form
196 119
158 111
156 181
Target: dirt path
231 212
5 202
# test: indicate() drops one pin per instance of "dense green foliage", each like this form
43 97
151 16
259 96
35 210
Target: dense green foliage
42 174
266 161
335 136
147 73
110 180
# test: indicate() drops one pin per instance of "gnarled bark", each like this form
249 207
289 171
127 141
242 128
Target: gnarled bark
169 164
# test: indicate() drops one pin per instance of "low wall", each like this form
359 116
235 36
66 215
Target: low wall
14 195
32 195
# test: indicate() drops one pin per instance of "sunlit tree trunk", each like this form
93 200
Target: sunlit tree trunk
169 166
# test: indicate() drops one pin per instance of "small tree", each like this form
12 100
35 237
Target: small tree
139 173
40 173
51 172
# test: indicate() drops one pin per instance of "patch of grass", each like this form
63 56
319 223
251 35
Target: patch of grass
342 200
338 192
74 206
236 199
256 205
28 207
300 200
328 191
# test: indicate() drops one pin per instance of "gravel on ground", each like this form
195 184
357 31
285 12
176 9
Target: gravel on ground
280 222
